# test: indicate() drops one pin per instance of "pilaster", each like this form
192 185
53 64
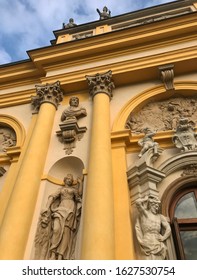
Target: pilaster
124 247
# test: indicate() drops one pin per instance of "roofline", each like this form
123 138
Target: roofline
127 16
115 19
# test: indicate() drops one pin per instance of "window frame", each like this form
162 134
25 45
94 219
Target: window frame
186 224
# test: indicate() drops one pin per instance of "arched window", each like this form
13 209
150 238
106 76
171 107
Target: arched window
183 216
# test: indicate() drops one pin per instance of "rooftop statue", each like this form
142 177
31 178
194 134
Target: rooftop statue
71 23
106 13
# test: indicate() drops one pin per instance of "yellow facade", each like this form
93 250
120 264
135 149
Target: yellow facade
135 48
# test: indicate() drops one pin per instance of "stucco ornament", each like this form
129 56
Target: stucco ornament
70 132
152 229
185 138
163 115
147 142
59 222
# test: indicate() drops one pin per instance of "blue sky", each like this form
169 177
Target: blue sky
29 24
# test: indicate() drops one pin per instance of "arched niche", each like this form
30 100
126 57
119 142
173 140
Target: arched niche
63 166
12 123
49 187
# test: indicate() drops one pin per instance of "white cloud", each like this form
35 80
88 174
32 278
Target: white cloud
4 56
29 24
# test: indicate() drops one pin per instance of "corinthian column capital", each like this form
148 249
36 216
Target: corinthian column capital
101 83
49 93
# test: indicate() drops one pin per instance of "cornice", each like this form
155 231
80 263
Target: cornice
19 71
116 39
16 98
131 70
119 53
108 46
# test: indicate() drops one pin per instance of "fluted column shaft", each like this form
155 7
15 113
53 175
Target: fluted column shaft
98 224
18 217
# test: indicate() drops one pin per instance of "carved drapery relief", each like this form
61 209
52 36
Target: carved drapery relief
49 93
59 222
185 138
70 132
101 83
163 115
152 229
7 138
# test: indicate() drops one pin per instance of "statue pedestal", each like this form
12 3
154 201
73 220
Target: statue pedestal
70 133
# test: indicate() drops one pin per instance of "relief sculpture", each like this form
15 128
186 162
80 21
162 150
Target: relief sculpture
59 222
152 229
7 138
163 115
185 137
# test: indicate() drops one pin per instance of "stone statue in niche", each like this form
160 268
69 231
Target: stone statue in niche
147 142
163 115
152 229
59 222
105 14
70 131
7 138
185 138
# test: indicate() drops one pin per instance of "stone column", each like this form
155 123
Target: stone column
18 216
98 224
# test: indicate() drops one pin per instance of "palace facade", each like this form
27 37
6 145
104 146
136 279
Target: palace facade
98 141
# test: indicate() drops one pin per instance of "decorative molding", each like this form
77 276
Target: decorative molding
101 83
190 170
49 93
178 162
167 76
